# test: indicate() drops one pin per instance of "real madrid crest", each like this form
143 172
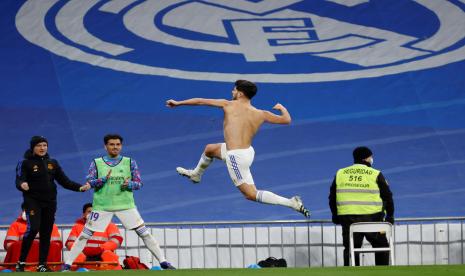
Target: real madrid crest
261 37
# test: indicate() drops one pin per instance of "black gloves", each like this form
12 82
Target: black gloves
335 220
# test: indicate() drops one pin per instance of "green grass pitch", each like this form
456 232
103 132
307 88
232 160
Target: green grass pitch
437 270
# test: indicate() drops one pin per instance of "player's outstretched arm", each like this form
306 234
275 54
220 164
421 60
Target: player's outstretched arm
284 118
198 101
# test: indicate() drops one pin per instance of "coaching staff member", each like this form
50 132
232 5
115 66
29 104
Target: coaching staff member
360 193
35 177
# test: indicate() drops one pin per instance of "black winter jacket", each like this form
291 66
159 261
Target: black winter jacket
40 173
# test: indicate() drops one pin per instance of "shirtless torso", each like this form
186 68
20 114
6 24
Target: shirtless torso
241 119
241 123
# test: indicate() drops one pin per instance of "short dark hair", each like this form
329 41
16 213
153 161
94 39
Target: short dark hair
85 206
247 87
112 136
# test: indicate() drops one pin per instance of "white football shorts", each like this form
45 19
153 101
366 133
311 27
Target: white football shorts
238 162
99 220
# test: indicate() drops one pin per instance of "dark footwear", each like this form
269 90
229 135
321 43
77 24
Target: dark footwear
166 265
304 211
65 268
299 206
20 266
43 268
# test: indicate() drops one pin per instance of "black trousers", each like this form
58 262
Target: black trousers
375 239
40 219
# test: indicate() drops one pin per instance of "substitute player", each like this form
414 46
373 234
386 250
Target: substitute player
241 122
114 178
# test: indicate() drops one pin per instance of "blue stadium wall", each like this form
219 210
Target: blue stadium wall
388 74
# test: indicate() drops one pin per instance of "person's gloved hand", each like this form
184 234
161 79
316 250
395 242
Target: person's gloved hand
335 219
389 219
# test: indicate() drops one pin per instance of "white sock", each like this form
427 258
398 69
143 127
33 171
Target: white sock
271 198
79 245
151 243
203 164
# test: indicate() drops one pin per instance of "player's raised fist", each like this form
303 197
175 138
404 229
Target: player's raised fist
171 103
278 106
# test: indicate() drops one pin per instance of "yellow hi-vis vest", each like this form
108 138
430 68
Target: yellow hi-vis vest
357 192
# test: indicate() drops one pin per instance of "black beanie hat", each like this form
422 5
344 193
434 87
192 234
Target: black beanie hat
37 139
361 153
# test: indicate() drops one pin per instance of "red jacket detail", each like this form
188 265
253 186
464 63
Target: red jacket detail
111 239
17 229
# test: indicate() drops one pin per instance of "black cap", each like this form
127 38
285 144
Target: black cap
37 139
361 153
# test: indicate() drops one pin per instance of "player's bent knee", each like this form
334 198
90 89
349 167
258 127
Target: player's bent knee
248 191
212 150
140 226
250 195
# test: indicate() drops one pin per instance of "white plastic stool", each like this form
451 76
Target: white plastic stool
370 227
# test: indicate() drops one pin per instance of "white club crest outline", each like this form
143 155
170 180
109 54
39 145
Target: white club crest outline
30 22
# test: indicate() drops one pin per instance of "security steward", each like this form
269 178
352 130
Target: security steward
35 178
360 193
